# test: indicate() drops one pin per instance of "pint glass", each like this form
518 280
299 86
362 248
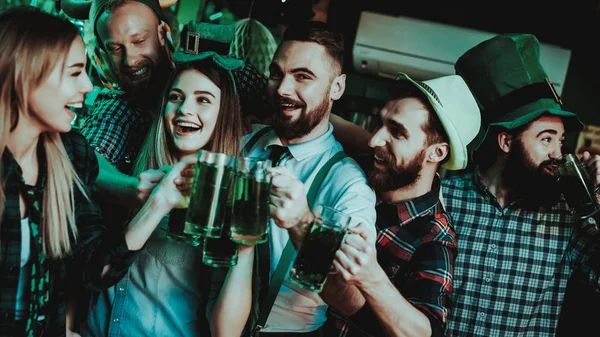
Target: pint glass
575 184
317 252
209 194
250 218
221 252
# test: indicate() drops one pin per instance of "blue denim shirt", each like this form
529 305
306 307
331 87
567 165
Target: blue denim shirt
161 295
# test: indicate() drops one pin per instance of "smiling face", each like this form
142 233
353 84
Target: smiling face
191 111
133 38
399 145
302 87
65 87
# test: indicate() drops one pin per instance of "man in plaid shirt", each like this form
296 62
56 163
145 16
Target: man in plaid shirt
519 240
404 274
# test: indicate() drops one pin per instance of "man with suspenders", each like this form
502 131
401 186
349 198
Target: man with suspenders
305 80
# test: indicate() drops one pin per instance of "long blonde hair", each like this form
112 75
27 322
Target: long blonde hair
158 149
32 44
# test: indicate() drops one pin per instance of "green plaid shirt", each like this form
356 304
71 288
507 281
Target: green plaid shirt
90 252
116 129
513 263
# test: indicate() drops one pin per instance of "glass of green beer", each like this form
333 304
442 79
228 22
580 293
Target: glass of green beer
252 186
317 252
221 252
205 212
175 228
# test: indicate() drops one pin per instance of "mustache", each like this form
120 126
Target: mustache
546 163
286 100
138 65
383 155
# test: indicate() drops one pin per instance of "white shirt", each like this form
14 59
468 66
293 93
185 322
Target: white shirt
344 188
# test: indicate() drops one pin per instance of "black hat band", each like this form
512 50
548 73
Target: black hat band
521 97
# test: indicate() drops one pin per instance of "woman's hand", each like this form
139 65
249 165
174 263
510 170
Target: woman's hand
175 186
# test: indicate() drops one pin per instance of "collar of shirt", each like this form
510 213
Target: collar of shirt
9 164
480 185
484 190
527 202
307 149
11 168
407 211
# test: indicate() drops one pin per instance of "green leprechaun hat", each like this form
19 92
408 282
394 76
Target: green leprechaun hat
509 83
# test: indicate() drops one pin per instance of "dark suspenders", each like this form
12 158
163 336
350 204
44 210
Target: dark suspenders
289 252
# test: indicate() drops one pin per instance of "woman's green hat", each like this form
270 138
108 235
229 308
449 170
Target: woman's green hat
201 39
509 83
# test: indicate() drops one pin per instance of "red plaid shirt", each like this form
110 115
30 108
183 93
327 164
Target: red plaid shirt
416 247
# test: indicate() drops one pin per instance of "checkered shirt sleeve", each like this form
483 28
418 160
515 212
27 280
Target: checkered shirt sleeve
108 126
417 252
514 262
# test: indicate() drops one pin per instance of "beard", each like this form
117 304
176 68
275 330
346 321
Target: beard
289 129
145 94
529 180
393 176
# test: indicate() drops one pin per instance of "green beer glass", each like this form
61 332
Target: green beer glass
175 228
317 252
575 184
221 252
252 186
209 194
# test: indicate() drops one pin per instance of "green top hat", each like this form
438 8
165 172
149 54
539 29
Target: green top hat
512 89
207 40
203 40
204 36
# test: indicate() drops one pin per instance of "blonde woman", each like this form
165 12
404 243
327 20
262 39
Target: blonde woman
167 282
52 237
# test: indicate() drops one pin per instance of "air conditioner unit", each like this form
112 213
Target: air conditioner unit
386 45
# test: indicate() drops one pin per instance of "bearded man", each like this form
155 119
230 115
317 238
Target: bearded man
520 241
404 273
305 79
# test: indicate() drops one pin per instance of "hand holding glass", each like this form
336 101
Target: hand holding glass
250 218
209 194
575 184
317 252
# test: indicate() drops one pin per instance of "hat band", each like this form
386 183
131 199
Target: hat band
192 45
520 97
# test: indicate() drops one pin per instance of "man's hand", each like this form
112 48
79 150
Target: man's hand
147 181
287 202
593 165
356 260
